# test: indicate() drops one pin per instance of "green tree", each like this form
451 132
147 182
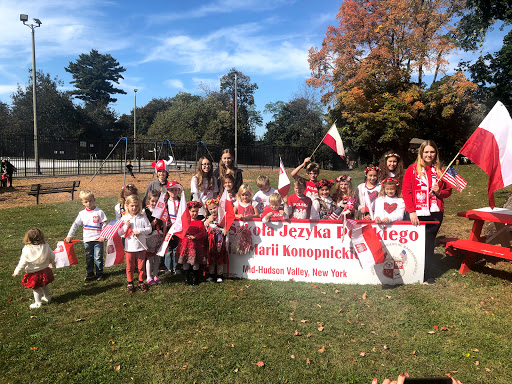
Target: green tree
93 77
56 113
145 116
5 117
248 117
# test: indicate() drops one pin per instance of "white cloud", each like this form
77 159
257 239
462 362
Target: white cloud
175 84
243 46
7 89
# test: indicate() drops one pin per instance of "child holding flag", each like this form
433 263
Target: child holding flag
154 239
93 220
368 192
217 254
36 258
136 227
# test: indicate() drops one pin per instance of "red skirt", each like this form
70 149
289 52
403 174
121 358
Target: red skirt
36 280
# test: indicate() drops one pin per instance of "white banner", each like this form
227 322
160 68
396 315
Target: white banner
314 251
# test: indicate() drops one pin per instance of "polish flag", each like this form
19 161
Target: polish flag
366 243
115 251
333 140
160 211
284 182
65 254
226 212
490 147
180 226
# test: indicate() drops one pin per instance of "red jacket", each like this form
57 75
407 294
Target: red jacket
410 187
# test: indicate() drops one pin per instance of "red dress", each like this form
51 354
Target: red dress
217 251
193 251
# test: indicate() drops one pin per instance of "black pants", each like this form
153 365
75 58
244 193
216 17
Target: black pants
431 231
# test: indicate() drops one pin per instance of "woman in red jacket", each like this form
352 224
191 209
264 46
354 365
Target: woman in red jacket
423 193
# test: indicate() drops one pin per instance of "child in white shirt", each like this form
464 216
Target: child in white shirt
263 195
389 206
93 220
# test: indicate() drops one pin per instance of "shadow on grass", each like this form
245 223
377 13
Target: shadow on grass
89 290
482 267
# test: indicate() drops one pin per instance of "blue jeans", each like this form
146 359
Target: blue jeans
94 255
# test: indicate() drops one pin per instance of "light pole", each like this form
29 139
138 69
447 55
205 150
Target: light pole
134 123
24 19
236 123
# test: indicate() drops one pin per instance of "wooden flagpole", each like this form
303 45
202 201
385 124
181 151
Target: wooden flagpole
449 165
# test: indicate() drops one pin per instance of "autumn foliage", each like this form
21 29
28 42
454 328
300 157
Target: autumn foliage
371 68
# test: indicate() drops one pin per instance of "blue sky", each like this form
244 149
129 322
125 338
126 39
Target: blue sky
173 46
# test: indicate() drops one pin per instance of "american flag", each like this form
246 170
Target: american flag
110 230
454 179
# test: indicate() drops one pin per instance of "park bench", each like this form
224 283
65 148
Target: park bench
59 187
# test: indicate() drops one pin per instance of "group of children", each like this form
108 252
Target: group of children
204 243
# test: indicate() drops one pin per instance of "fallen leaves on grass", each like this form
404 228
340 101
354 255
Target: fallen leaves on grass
9 299
297 333
117 367
303 321
33 317
362 354
79 320
33 349
322 350
309 334
308 361
364 295
259 364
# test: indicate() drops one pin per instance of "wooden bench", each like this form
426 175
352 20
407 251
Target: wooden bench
59 187
469 249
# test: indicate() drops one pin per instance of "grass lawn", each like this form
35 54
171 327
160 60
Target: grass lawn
248 331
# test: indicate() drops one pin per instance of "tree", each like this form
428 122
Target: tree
248 116
94 74
56 113
366 64
5 117
145 116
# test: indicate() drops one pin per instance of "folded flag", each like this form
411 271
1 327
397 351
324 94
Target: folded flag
366 243
226 211
284 182
111 229
65 254
454 179
115 251
333 140
180 226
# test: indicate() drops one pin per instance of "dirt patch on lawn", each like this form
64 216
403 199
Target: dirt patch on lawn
101 185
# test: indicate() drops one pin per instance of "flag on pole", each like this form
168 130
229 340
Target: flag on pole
284 182
490 147
111 229
65 254
454 179
160 211
115 251
366 243
333 140
226 212
180 226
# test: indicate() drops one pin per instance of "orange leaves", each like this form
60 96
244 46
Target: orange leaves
260 364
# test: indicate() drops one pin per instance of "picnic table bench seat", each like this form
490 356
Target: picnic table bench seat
469 249
57 187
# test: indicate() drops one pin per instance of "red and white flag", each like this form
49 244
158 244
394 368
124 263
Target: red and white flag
160 211
65 254
284 182
226 211
366 243
180 226
490 147
333 140
115 251
454 179
111 229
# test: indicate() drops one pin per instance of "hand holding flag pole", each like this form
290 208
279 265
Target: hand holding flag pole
332 139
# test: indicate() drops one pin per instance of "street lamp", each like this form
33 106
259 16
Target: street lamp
134 123
24 19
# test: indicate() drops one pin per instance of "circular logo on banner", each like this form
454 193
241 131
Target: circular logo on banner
400 260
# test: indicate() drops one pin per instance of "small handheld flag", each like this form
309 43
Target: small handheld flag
284 182
454 179
366 243
65 254
111 229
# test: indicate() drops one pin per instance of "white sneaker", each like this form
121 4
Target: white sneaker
209 280
35 305
46 300
219 279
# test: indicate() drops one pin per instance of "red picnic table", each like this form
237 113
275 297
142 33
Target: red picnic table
496 245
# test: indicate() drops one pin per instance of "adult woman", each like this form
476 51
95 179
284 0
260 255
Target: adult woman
226 165
203 186
423 193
